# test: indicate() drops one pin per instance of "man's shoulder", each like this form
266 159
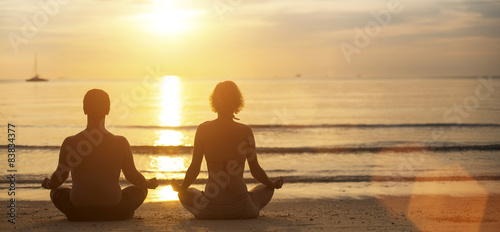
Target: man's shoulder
120 139
116 138
71 139
83 135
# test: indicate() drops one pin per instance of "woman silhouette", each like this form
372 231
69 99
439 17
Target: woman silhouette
226 145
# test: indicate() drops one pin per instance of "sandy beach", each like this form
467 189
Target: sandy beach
387 213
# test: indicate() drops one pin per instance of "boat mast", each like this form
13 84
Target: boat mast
36 69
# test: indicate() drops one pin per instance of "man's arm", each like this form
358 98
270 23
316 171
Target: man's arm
129 169
62 172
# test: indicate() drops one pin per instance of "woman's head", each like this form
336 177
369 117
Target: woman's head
226 98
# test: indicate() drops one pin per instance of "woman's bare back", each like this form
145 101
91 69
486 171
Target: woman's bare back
224 144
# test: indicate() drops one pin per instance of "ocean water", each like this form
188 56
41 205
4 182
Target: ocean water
325 137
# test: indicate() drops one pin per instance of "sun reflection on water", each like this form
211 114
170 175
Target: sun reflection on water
164 167
169 138
170 104
163 193
170 101
167 164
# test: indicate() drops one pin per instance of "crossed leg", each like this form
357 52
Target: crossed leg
132 198
196 202
261 195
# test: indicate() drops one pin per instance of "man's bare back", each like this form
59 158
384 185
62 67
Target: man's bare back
96 179
95 157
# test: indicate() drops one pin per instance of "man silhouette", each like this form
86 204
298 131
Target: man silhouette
95 158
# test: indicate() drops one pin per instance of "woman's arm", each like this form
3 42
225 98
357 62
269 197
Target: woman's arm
195 166
259 174
255 169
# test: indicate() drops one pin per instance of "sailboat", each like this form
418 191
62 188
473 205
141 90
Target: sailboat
36 77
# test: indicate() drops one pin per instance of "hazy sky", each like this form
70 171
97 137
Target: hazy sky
250 38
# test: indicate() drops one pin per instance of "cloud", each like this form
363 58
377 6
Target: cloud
487 9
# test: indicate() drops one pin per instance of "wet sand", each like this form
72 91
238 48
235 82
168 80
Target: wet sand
387 213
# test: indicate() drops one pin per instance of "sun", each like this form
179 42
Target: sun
168 18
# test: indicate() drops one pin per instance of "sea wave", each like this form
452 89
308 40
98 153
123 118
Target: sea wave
373 148
298 126
306 126
36 179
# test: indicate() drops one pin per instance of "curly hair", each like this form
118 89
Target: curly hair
226 98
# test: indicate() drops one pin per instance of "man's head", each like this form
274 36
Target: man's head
96 103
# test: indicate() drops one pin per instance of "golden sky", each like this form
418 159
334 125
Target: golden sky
243 38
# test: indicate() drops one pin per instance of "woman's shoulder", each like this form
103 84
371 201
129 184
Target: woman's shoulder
242 125
213 123
243 129
205 124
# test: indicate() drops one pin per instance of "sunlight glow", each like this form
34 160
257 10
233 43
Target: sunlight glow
163 193
168 18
